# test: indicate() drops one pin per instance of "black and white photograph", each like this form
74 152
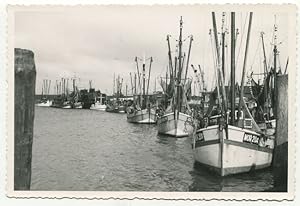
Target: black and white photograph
152 98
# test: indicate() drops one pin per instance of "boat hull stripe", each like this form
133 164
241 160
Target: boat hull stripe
235 143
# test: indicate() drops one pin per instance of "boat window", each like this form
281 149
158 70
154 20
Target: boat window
241 114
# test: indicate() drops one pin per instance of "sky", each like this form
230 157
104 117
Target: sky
94 43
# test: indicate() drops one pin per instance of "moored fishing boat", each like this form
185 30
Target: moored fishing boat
140 111
116 105
116 108
145 116
230 141
100 103
175 124
98 106
44 101
175 120
232 150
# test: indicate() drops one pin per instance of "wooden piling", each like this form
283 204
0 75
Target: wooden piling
280 161
25 76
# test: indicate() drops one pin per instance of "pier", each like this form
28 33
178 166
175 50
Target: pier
25 74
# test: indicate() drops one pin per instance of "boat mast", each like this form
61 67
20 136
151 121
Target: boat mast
188 59
144 81
151 60
134 83
265 73
131 83
232 72
43 88
138 73
170 57
114 84
173 82
74 86
166 93
223 45
179 67
220 73
244 66
274 71
48 92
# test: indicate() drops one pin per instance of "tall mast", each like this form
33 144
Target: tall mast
244 66
67 87
275 70
170 57
264 53
43 89
135 83
49 86
151 60
179 66
131 83
223 45
144 79
220 73
74 85
265 73
114 84
188 58
166 92
232 114
56 87
138 73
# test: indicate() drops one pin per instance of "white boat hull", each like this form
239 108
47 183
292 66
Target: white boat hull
175 124
241 151
142 116
100 107
78 106
44 104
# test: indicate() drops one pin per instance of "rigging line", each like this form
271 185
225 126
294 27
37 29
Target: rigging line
240 45
214 59
258 43
260 61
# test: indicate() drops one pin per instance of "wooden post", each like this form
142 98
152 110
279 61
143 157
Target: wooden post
25 75
280 160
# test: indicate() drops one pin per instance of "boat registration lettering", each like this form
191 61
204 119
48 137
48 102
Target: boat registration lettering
251 138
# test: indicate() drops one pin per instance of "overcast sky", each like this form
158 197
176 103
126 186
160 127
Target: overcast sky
93 43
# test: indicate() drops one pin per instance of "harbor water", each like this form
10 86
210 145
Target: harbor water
99 151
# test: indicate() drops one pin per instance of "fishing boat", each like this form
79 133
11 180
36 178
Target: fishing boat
100 102
141 110
44 101
115 104
175 120
116 108
74 98
231 142
66 105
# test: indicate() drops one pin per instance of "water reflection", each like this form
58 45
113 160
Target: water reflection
204 180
